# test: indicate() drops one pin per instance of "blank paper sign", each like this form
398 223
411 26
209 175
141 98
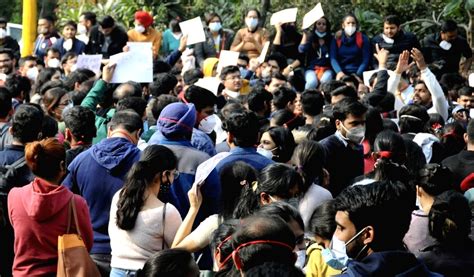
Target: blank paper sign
227 58
284 16
314 15
91 62
194 30
134 65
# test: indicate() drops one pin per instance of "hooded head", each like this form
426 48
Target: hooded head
177 120
144 18
208 67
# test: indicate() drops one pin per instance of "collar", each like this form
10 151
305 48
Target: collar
239 150
166 141
341 138
124 135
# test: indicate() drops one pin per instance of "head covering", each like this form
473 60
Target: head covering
177 119
208 65
144 18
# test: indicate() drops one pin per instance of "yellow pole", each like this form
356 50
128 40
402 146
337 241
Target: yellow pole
29 27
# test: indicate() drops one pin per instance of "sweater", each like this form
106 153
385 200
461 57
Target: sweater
98 173
261 35
39 214
152 36
349 58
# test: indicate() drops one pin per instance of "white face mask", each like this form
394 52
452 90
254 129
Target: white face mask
215 26
140 29
251 23
320 34
3 33
336 256
387 39
232 94
67 45
349 30
73 67
264 152
32 73
81 29
301 259
54 63
208 123
355 135
445 45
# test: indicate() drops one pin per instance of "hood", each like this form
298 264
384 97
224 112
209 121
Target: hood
208 66
390 263
45 200
111 153
425 141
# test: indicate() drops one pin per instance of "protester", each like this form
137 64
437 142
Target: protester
107 38
250 40
144 31
7 41
47 36
277 143
69 42
170 262
171 37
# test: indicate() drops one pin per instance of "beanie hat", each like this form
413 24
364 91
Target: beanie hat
177 119
144 18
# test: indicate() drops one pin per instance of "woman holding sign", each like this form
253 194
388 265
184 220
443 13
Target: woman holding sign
250 40
350 50
315 46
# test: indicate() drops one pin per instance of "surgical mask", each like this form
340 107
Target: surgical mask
67 45
266 74
215 27
232 94
251 23
265 152
300 259
54 63
445 45
335 256
320 34
3 33
387 39
243 71
355 135
81 29
349 30
208 123
73 67
339 248
32 73
140 29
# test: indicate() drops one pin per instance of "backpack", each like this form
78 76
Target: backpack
359 40
4 140
8 179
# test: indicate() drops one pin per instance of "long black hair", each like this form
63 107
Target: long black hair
390 153
308 158
154 160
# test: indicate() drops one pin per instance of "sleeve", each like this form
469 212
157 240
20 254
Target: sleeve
199 53
237 39
437 95
467 51
58 45
201 236
172 222
95 95
265 36
130 35
333 55
381 85
303 48
84 222
365 56
164 44
173 57
157 44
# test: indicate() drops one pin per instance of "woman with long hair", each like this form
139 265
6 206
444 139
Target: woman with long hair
140 224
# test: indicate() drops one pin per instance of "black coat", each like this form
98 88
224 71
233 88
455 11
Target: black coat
118 36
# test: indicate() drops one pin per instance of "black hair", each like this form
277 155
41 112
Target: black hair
450 219
107 21
413 119
160 66
392 20
449 26
309 157
8 52
270 228
312 102
224 231
160 103
391 167
127 89
271 269
244 128
329 86
283 210
163 83
134 103
50 85
284 141
386 206
373 125
453 138
71 23
287 119
167 262
80 94
276 75
191 76
252 9
257 99
81 122
279 58
435 179
49 128
68 56
174 25
210 16
234 177
44 76
353 16
49 18
128 120
22 61
155 159
78 76
275 179
200 97
352 78
244 57
17 85
90 16
465 91
228 70
389 124
470 131
282 97
322 222
52 98
348 106
5 102
347 91
27 123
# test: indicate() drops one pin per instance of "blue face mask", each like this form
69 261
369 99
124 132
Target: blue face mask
335 256
319 34
243 71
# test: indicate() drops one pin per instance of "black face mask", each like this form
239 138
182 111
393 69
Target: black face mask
165 191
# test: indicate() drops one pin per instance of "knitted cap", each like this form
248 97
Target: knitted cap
144 18
177 119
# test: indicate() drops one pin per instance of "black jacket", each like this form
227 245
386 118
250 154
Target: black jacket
402 41
118 36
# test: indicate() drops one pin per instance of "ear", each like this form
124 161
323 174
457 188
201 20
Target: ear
466 138
109 132
419 191
337 122
68 135
369 235
76 86
230 138
10 130
265 198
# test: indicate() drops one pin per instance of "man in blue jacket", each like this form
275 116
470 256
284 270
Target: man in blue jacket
99 173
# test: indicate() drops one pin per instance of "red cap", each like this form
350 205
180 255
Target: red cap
144 18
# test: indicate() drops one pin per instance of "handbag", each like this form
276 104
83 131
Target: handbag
73 257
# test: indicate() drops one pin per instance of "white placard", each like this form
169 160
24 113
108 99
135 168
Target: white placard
227 58
91 62
314 15
209 83
367 74
262 56
194 30
284 16
471 80
134 65
205 168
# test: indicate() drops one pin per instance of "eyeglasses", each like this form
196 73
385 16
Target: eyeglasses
235 77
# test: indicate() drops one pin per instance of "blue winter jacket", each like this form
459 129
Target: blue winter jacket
349 58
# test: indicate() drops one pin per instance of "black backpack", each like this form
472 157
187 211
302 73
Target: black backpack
5 137
9 175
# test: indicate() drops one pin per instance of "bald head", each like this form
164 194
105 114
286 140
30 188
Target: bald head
126 90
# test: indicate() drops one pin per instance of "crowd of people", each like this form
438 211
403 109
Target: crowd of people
335 155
